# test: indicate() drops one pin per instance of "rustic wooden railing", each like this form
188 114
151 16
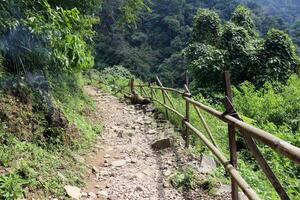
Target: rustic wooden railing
230 116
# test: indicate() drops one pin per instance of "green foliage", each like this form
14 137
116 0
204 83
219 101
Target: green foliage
243 52
276 110
279 105
112 80
67 32
294 32
86 6
131 8
44 37
11 186
186 179
207 27
279 55
207 62
242 17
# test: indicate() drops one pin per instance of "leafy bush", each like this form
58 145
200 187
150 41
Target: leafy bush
46 38
279 104
186 179
11 186
112 79
67 32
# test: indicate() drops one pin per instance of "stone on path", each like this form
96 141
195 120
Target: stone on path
161 144
95 170
102 194
152 132
118 163
207 164
73 192
223 189
92 195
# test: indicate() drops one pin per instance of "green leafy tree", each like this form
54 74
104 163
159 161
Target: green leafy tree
242 17
207 27
279 55
238 48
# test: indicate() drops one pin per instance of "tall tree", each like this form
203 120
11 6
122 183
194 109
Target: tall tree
238 47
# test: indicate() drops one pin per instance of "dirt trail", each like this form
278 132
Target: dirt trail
123 165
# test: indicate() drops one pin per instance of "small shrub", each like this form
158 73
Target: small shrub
185 180
11 186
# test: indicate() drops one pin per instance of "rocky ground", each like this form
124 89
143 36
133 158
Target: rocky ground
125 166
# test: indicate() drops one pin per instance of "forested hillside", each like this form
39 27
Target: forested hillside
154 44
283 13
288 10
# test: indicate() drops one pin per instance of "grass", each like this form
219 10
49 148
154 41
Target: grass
38 168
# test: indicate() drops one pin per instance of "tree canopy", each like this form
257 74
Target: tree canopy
237 47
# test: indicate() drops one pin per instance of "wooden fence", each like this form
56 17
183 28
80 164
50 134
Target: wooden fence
230 116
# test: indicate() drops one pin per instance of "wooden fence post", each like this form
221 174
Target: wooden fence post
232 138
187 115
151 91
131 85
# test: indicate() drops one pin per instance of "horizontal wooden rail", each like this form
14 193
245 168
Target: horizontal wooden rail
162 88
230 117
275 143
168 107
233 172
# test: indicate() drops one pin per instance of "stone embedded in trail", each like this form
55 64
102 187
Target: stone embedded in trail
167 173
207 164
102 194
120 134
84 194
152 132
118 163
92 195
223 189
129 132
73 192
161 144
95 170
139 189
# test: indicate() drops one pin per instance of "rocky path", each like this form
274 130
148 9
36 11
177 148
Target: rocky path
123 165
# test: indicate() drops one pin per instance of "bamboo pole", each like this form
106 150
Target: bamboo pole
232 171
164 88
187 116
166 94
260 158
131 85
275 143
164 102
209 133
171 109
231 138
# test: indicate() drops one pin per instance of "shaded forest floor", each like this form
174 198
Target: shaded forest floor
124 166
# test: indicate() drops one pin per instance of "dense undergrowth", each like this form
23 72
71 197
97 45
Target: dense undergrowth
273 108
39 156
